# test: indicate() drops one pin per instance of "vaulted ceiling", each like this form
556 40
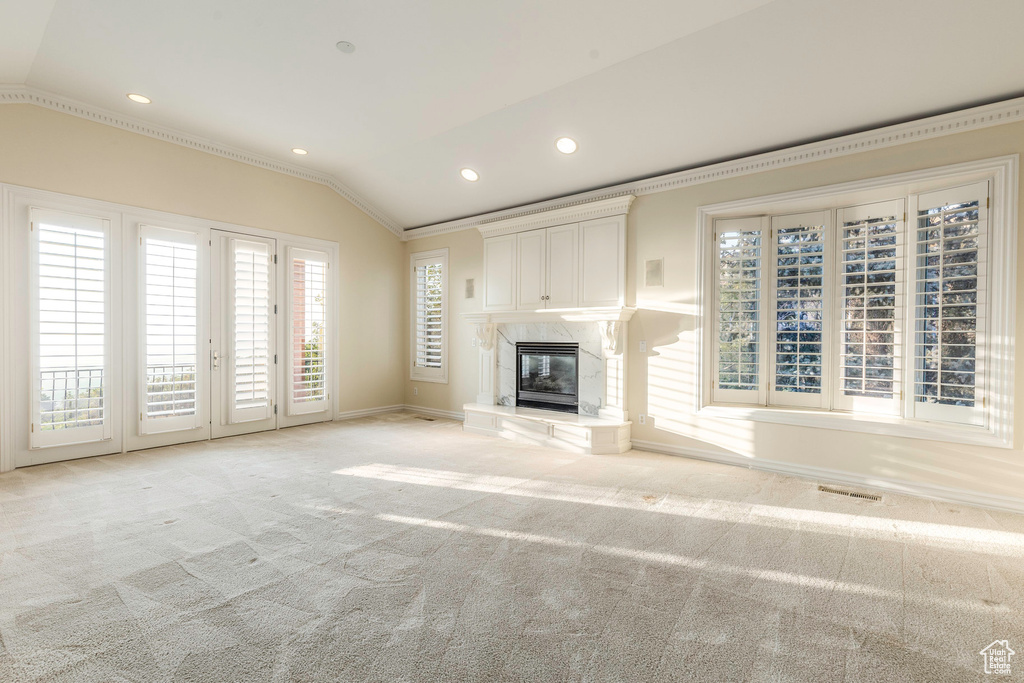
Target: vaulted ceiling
644 86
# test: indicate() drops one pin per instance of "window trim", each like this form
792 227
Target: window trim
418 374
38 439
1002 175
295 408
148 425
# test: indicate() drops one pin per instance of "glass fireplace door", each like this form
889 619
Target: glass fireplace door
548 376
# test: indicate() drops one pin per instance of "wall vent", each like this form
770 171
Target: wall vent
851 494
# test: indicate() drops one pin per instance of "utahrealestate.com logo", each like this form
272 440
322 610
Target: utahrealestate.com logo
997 658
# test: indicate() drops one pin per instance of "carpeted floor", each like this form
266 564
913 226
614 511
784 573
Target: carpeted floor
397 549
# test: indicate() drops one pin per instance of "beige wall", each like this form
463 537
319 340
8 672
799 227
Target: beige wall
43 149
661 382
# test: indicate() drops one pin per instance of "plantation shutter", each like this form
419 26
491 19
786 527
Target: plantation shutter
169 339
429 344
799 351
69 328
251 360
308 383
949 304
870 254
738 352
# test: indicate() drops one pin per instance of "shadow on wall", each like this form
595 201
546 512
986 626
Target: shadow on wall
672 377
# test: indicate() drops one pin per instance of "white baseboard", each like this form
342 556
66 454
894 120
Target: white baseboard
367 412
824 474
397 408
434 412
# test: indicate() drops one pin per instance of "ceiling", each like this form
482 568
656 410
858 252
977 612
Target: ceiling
645 86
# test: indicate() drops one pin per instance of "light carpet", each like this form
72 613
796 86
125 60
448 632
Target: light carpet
397 549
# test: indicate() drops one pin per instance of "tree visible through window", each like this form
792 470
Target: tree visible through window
841 338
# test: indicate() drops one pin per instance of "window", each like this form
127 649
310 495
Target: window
429 316
949 301
169 338
871 308
250 312
69 327
308 391
870 270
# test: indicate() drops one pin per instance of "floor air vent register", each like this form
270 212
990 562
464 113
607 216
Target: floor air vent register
850 494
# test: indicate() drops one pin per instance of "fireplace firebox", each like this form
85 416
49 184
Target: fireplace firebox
548 376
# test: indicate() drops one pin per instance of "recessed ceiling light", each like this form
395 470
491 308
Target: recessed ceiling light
141 99
565 145
470 175
300 151
346 47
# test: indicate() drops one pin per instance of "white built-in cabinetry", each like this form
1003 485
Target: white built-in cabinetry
500 273
576 265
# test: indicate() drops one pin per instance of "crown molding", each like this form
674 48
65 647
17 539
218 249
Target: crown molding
570 214
20 94
999 113
565 315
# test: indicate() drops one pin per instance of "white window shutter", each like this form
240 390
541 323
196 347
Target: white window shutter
250 332
738 350
308 371
870 267
799 353
429 316
169 330
951 235
70 321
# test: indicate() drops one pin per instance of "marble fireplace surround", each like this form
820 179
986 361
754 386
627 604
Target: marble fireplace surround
600 333
590 368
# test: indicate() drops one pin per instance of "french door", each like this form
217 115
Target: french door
243 341
134 329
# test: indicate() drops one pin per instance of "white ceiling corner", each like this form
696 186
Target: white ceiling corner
25 95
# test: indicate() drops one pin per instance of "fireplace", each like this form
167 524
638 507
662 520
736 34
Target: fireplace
548 376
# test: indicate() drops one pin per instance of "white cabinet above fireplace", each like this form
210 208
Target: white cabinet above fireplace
548 267
544 262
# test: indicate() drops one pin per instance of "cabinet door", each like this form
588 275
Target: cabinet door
562 266
603 262
530 254
500 273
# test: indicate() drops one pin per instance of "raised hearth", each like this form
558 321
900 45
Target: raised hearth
574 433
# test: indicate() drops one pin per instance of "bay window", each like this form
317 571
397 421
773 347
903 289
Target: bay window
864 309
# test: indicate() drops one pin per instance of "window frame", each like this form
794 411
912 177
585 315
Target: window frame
295 408
147 424
38 438
1001 174
418 373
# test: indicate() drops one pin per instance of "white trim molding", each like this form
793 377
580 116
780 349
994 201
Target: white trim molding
435 412
547 219
569 315
976 118
20 94
400 408
823 474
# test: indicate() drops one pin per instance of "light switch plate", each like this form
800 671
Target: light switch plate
643 346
